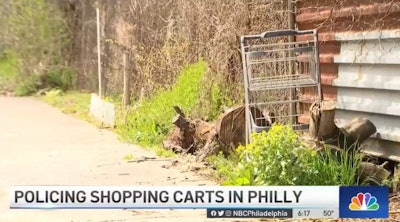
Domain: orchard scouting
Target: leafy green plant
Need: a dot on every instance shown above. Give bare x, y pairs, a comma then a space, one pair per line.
231, 171
279, 157
150, 122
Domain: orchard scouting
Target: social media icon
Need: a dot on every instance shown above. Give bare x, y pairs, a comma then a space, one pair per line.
228, 213
221, 213
213, 213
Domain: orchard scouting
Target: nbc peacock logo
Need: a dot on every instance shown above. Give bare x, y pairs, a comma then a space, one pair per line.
364, 202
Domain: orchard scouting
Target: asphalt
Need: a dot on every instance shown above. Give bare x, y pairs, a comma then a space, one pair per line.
39, 145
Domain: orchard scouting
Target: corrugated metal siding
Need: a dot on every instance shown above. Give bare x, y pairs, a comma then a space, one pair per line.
360, 67
369, 83
333, 16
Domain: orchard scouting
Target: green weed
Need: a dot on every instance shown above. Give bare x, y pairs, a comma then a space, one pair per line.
128, 157
231, 171
337, 167
72, 102
150, 122
279, 157
53, 97
160, 151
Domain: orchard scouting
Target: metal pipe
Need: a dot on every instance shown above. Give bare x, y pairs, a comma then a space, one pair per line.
292, 106
99, 54
245, 82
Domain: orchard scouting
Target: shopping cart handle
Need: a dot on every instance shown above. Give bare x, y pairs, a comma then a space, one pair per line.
271, 34
278, 33
284, 33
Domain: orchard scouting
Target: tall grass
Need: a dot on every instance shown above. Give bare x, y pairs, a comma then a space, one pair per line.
337, 168
151, 121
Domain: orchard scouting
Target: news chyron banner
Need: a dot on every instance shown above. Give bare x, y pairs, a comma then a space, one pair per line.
219, 201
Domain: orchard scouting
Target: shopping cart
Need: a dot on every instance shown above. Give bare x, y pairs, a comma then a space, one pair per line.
281, 78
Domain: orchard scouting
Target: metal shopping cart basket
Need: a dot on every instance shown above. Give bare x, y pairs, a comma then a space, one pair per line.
281, 78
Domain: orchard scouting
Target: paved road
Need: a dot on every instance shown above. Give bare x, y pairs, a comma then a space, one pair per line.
41, 146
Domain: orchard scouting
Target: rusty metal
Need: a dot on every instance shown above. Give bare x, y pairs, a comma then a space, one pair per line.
332, 17
359, 51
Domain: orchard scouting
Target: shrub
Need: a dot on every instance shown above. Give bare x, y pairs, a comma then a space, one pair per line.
60, 78
27, 86
279, 157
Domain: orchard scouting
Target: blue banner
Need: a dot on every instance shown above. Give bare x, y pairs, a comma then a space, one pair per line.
364, 202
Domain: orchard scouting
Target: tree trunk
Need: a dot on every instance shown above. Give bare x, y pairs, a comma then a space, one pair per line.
230, 132
188, 134
322, 122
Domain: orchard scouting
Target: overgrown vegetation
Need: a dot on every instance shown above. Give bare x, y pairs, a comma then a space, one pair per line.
8, 72
161, 37
36, 40
212, 96
150, 122
279, 157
